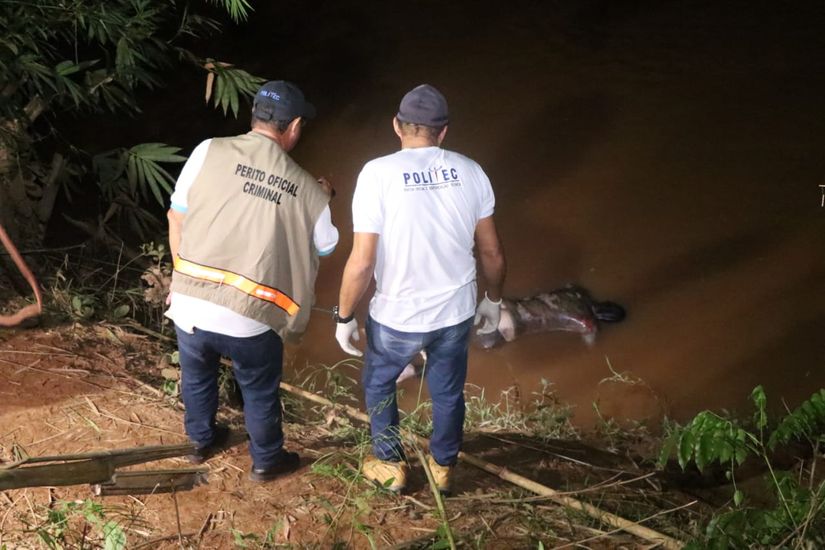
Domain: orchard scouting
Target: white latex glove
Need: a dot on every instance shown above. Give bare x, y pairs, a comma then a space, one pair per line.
490, 312
344, 332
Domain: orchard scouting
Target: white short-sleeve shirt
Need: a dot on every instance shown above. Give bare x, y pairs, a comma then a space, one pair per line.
188, 312
425, 204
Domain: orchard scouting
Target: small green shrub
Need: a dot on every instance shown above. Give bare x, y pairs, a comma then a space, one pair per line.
797, 520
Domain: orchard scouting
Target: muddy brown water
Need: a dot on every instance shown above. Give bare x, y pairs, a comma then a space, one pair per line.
665, 155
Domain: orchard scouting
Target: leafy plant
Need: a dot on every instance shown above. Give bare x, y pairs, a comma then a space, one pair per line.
806, 422
225, 84
83, 306
127, 177
797, 518
71, 524
72, 58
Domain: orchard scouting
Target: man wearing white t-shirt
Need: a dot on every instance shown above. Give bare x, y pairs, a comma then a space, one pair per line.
417, 214
246, 227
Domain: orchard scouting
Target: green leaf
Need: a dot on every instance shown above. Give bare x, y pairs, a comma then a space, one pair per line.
12, 47
706, 450
65, 68
121, 311
668, 446
725, 451
740, 452
806, 421
686, 444
113, 536
238, 10
132, 174
738, 497
158, 152
760, 400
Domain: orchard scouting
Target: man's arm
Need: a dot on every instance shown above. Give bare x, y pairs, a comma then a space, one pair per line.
175, 226
357, 272
490, 257
354, 283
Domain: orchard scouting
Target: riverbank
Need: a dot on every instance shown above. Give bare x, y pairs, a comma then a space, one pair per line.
74, 388
99, 374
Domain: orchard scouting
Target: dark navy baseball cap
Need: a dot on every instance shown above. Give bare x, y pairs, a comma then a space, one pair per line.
424, 105
281, 100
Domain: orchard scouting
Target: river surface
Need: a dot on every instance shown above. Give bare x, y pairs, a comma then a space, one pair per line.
665, 155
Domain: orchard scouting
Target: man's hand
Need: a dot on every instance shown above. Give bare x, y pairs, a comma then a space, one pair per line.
326, 186
490, 312
344, 332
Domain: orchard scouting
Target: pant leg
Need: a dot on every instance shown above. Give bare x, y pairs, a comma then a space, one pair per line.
199, 364
446, 373
388, 352
258, 366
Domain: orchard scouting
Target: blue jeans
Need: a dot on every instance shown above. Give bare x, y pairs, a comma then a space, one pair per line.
388, 352
257, 363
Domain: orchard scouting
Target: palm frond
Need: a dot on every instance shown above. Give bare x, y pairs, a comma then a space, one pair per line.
230, 84
238, 10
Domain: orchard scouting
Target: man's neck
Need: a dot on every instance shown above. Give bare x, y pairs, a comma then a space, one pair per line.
415, 142
274, 136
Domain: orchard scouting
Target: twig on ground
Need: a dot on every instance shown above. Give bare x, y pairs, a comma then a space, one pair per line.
114, 417
13, 504
418, 502
552, 453
230, 465
618, 529
154, 541
177, 515
92, 405
44, 353
39, 441
204, 527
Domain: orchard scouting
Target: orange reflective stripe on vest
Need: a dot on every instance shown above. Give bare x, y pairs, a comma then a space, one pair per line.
240, 282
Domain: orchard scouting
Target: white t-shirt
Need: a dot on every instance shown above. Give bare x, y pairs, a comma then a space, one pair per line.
188, 312
425, 204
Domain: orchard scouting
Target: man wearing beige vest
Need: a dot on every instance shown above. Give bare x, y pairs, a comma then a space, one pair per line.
246, 228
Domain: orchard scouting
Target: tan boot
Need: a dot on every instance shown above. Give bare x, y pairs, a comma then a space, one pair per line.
389, 475
442, 475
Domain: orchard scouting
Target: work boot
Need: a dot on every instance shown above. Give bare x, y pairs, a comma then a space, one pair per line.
286, 462
441, 475
386, 474
219, 440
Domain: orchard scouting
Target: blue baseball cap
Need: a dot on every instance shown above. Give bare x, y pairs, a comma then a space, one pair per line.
281, 100
424, 105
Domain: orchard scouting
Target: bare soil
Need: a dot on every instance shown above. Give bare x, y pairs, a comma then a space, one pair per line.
82, 388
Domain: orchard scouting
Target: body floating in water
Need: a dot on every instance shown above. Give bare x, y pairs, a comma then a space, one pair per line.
568, 309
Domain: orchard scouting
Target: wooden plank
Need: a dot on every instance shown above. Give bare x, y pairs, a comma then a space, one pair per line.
151, 482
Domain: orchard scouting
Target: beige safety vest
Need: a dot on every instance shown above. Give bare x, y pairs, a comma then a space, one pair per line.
247, 237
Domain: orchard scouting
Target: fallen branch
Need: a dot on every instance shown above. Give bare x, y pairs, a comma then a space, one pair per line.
77, 469
614, 531
503, 473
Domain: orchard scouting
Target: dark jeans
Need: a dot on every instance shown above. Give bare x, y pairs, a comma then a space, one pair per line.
388, 352
257, 362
